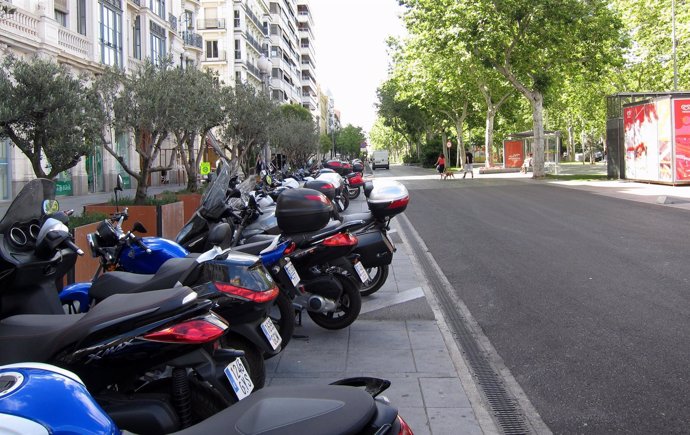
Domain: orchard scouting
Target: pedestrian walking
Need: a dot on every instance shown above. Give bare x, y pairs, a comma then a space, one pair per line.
441, 164
467, 167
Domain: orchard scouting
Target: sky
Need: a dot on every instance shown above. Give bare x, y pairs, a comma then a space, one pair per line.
351, 58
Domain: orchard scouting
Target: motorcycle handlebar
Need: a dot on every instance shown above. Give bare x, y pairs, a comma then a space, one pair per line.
73, 246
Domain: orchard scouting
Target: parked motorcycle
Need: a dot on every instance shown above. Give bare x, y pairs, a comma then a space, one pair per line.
150, 353
40, 398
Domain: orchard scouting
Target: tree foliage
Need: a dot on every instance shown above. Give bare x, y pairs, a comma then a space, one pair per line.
349, 140
47, 113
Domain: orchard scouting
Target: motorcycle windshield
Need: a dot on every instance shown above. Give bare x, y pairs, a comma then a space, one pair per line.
213, 203
28, 205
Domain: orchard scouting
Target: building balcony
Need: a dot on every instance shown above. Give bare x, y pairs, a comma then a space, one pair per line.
136, 3
213, 24
221, 57
194, 40
21, 25
74, 43
172, 19
254, 19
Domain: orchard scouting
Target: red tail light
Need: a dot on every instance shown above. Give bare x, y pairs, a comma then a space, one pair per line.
328, 186
342, 239
194, 331
290, 249
399, 203
320, 198
247, 294
405, 428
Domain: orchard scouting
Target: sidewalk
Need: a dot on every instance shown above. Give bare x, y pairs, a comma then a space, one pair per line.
396, 337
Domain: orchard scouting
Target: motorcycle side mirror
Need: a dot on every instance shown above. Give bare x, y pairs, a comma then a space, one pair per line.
234, 193
50, 206
118, 188
138, 227
219, 233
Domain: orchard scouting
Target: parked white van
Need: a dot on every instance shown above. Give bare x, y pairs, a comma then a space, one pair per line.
380, 160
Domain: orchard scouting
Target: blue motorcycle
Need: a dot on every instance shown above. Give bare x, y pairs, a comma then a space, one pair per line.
44, 399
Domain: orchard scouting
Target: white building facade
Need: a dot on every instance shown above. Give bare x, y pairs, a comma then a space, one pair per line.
86, 35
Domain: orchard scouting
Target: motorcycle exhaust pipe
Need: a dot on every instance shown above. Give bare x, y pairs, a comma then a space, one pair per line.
320, 304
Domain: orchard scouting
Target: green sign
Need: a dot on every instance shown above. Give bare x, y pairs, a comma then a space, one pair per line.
126, 180
205, 168
63, 184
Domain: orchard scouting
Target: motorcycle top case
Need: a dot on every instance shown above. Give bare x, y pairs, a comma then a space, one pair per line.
302, 210
386, 198
323, 186
342, 168
358, 167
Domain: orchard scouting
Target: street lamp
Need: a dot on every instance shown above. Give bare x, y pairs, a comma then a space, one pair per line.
265, 67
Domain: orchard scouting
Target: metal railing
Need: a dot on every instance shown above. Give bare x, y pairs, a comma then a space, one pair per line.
193, 39
172, 19
218, 23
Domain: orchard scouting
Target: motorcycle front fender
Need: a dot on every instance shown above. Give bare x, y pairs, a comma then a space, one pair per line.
79, 293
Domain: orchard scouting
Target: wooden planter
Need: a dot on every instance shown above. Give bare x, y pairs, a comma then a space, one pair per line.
160, 220
86, 265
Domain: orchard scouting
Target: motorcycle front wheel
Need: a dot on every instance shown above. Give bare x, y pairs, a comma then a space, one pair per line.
349, 305
377, 278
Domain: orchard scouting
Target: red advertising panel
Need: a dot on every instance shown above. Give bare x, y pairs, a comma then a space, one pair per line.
513, 153
681, 108
663, 111
640, 124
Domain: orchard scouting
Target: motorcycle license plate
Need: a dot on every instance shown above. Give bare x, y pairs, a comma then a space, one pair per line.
363, 275
292, 273
239, 379
271, 333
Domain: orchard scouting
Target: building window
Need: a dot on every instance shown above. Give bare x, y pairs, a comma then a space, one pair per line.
81, 16
211, 49
238, 51
111, 35
61, 18
189, 19
157, 49
136, 49
237, 18
158, 6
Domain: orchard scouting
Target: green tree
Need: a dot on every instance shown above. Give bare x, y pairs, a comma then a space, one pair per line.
199, 109
349, 140
296, 111
251, 116
534, 44
138, 103
296, 137
382, 137
47, 113
402, 115
325, 143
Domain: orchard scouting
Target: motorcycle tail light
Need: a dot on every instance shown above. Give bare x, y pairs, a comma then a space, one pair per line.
195, 331
398, 203
290, 249
246, 294
342, 239
405, 428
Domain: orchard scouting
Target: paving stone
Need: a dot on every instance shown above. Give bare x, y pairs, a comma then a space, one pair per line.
380, 339
452, 421
311, 362
434, 361
443, 393
416, 418
390, 361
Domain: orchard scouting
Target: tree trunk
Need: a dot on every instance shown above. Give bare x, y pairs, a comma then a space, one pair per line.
460, 154
537, 102
571, 144
489, 135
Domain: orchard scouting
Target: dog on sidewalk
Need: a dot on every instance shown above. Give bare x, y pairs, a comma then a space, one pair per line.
448, 173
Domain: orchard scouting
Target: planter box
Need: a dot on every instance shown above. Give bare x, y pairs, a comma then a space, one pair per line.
86, 265
191, 202
159, 220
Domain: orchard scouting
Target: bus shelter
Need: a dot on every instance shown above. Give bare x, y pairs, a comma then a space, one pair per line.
517, 146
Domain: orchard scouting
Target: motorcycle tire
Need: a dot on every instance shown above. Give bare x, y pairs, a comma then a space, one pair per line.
205, 401
349, 305
342, 203
283, 315
353, 192
376, 281
253, 357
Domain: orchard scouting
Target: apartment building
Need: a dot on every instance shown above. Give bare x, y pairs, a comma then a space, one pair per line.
86, 35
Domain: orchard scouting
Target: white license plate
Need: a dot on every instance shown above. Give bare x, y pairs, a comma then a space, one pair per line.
239, 379
271, 333
363, 275
292, 273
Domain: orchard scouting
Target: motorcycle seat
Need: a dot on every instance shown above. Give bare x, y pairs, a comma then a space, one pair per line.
309, 409
38, 337
255, 247
304, 239
167, 276
363, 216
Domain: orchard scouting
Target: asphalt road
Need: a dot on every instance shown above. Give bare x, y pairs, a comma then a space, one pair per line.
586, 298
